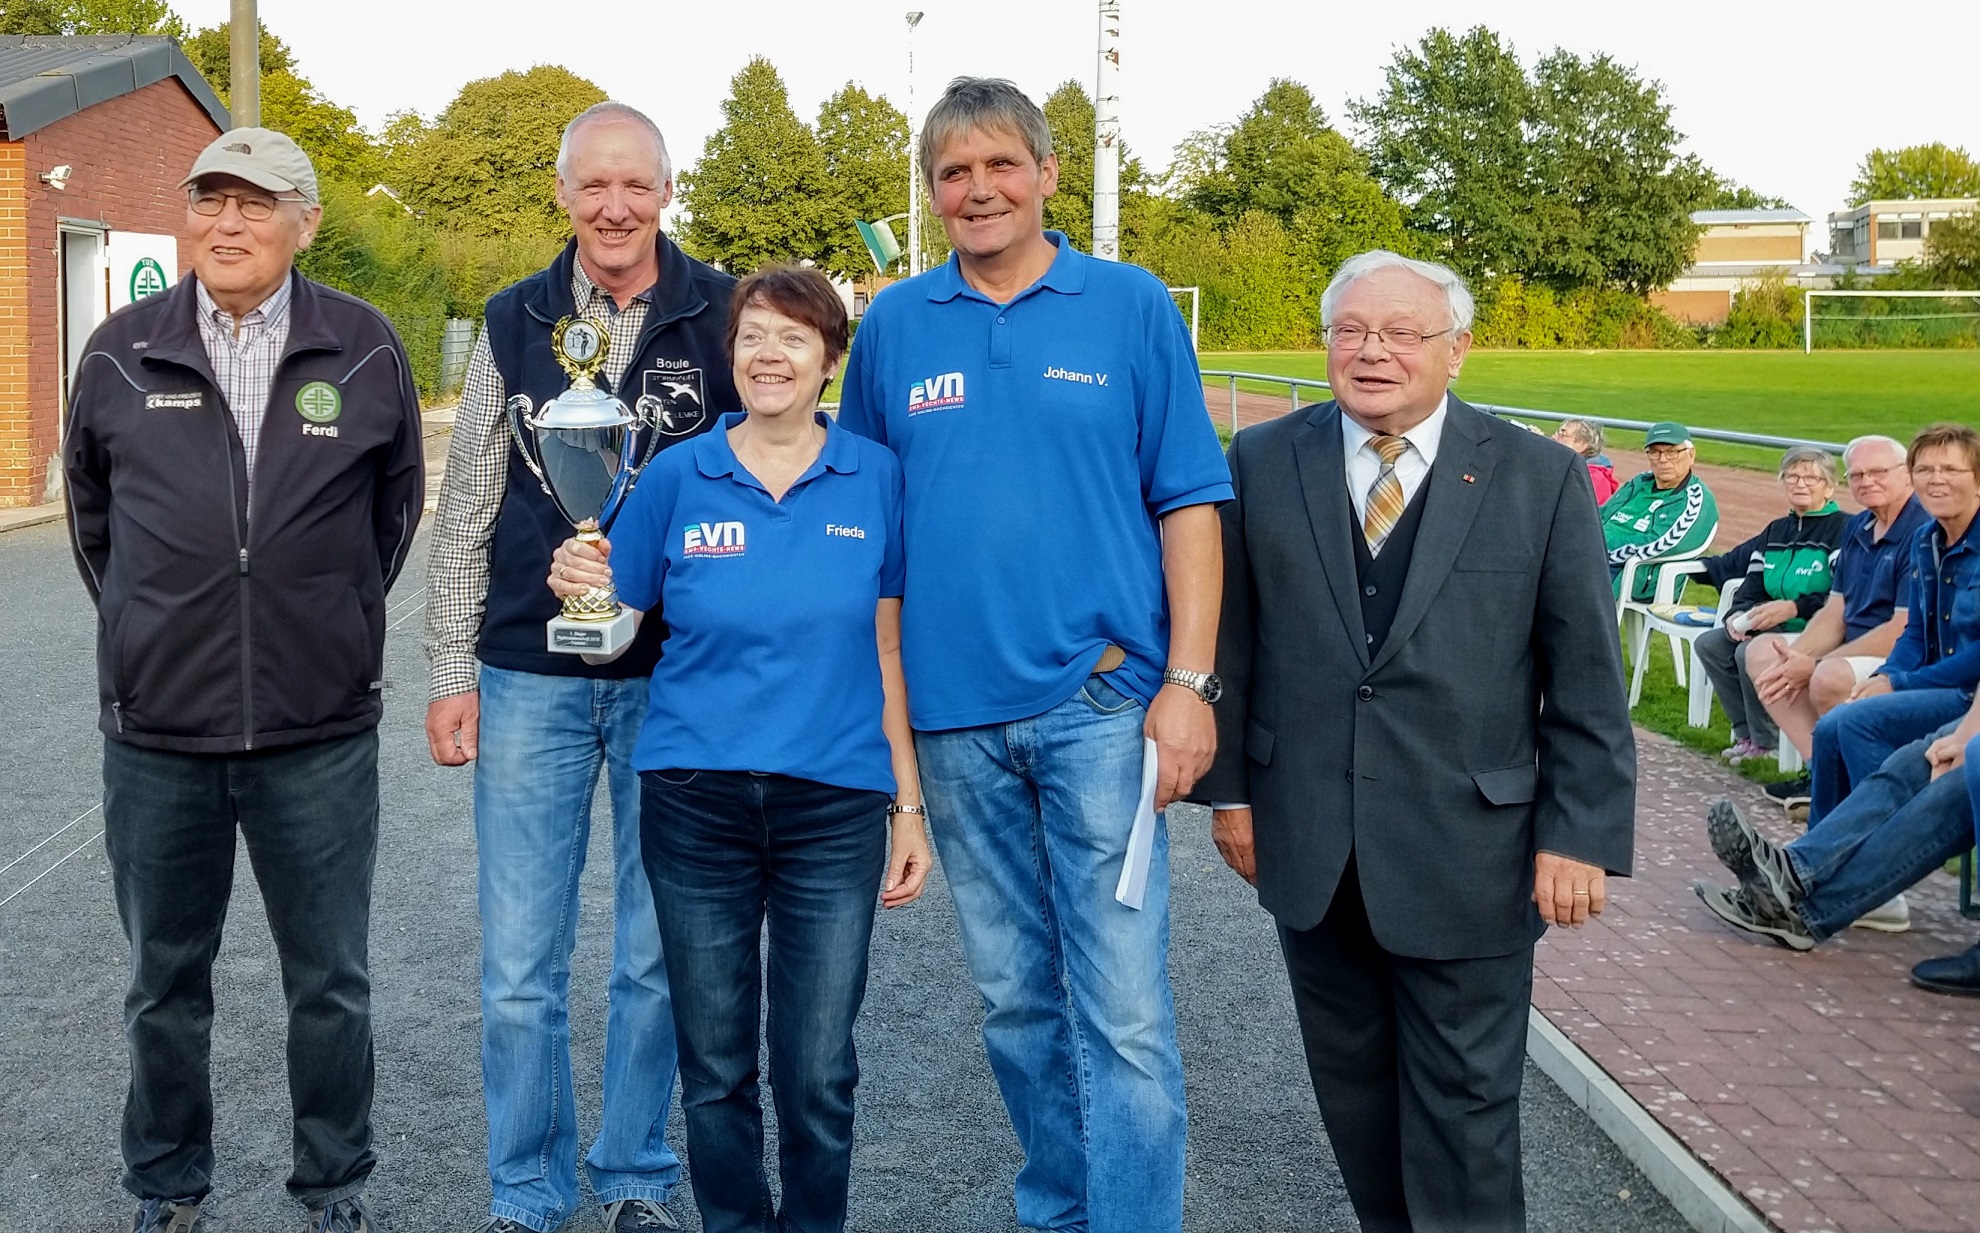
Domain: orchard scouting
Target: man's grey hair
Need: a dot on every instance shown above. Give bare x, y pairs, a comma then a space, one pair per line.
1892, 444
987, 103
623, 113
1589, 434
1361, 265
1799, 454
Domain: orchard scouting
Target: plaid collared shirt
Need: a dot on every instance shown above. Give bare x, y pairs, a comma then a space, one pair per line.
477, 475
245, 363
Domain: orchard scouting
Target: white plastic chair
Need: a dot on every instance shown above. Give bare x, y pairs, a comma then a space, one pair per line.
1684, 652
1632, 615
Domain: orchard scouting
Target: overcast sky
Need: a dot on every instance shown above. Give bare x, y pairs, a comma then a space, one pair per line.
1784, 97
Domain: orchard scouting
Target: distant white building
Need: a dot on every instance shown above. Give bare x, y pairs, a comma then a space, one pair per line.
1883, 233
1737, 247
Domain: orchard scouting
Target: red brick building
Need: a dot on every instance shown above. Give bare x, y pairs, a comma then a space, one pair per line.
97, 132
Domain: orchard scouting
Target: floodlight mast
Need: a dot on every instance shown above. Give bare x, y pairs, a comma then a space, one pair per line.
914, 157
1107, 137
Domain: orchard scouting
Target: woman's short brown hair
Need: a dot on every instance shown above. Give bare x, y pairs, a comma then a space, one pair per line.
800, 293
1946, 436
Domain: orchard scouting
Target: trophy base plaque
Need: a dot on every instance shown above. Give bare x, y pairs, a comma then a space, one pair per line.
576, 636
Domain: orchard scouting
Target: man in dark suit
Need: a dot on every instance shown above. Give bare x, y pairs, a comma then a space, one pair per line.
1424, 752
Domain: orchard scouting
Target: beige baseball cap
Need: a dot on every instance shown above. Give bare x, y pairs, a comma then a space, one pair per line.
261, 156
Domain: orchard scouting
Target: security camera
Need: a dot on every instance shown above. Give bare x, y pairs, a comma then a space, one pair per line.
58, 177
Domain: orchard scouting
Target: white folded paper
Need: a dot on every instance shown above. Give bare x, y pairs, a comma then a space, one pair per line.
1141, 839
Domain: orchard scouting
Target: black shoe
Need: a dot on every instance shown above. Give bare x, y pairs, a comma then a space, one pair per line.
1958, 974
168, 1216
1790, 791
343, 1216
1762, 869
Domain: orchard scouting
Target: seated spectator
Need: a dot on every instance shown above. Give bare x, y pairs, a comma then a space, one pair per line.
1585, 439
1908, 818
1786, 581
1801, 681
1929, 678
1666, 511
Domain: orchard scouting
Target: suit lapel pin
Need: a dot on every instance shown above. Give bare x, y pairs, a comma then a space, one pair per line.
1470, 479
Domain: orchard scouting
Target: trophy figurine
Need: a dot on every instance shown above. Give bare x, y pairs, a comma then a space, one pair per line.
583, 447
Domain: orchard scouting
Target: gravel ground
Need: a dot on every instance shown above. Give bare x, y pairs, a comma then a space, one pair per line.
935, 1151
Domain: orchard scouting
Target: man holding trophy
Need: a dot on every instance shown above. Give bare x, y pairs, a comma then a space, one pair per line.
622, 309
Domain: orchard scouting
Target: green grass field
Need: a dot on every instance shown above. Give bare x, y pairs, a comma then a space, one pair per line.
1827, 396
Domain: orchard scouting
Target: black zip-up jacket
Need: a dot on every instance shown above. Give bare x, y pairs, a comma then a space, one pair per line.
223, 627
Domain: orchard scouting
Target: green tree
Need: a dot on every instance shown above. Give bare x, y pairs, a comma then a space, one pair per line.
1612, 197
1447, 136
488, 164
863, 138
91, 17
1934, 170
328, 133
761, 192
1952, 251
1730, 195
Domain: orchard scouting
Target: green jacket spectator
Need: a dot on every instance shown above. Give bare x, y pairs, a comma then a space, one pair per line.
1795, 560
1666, 511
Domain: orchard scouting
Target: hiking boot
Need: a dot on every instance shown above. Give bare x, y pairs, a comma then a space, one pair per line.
1893, 917
168, 1216
633, 1215
1735, 907
1791, 792
343, 1216
1762, 869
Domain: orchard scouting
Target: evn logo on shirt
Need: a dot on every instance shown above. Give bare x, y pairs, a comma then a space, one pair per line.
936, 393
713, 539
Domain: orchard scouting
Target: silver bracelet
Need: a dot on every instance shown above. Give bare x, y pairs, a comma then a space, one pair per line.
922, 810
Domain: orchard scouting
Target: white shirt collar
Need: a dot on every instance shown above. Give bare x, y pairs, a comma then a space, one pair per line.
1423, 437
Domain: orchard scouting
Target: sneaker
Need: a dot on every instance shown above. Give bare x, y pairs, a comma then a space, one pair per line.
343, 1216
168, 1216
1736, 751
501, 1224
632, 1215
1736, 908
1791, 792
1762, 869
1893, 917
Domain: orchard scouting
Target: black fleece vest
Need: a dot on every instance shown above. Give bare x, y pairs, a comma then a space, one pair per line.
681, 360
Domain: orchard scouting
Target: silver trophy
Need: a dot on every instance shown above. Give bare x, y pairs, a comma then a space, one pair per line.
583, 446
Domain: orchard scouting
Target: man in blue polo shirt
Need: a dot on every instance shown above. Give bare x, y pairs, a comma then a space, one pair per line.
1064, 580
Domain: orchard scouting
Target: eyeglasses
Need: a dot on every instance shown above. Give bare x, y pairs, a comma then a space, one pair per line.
254, 207
1397, 340
1873, 473
1932, 473
1804, 481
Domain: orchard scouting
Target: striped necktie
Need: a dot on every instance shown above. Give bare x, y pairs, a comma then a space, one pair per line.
1385, 495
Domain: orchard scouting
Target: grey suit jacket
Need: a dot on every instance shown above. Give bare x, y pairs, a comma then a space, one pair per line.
1491, 723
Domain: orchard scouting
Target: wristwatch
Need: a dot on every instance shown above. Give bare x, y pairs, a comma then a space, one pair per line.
1205, 685
896, 807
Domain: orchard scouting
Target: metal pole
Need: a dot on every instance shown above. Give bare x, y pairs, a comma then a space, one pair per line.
1234, 425
1195, 316
244, 64
1808, 323
914, 158
1107, 137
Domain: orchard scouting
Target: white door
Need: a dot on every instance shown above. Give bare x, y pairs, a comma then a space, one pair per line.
85, 297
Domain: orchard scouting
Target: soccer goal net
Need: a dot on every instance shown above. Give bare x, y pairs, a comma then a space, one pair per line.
1891, 319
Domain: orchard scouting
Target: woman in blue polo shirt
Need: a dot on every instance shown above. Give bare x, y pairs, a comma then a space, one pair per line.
776, 748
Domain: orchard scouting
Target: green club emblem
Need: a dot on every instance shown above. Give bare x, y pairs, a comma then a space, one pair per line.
147, 278
319, 402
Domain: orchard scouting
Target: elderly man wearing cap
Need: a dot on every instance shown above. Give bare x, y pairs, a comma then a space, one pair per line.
1664, 512
244, 478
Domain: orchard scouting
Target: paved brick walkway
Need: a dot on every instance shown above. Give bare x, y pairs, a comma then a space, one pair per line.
1821, 1086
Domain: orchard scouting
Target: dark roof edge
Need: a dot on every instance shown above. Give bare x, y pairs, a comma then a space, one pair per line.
103, 68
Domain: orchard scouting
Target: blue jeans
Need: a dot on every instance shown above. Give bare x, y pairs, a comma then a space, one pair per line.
1031, 819
308, 815
728, 852
1897, 826
544, 740
1853, 740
